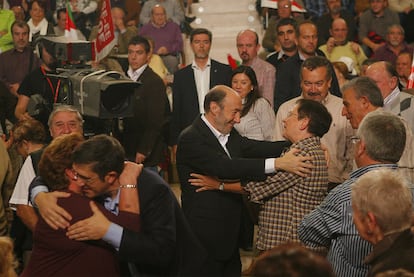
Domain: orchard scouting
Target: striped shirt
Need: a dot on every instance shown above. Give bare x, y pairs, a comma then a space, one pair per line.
331, 226
287, 197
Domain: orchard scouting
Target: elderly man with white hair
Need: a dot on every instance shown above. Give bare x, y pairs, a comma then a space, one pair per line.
386, 226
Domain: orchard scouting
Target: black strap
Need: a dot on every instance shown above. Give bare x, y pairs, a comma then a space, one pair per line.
30, 60
36, 155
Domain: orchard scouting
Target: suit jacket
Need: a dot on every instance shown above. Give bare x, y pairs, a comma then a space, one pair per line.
215, 215
272, 58
288, 80
166, 245
145, 131
185, 98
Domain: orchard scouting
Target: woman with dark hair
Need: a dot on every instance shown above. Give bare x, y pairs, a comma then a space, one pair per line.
257, 117
257, 121
39, 26
54, 254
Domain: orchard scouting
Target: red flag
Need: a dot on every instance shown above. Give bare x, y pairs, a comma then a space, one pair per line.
105, 40
70, 27
411, 77
232, 62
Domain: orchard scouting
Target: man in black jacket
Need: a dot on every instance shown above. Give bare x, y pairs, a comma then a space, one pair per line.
288, 73
211, 146
165, 245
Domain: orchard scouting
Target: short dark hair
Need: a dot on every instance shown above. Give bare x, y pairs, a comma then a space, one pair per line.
41, 3
312, 63
59, 11
199, 31
286, 21
409, 54
217, 95
20, 24
365, 87
291, 260
103, 152
319, 117
140, 40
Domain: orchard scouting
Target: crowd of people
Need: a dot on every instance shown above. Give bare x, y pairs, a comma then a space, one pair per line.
309, 138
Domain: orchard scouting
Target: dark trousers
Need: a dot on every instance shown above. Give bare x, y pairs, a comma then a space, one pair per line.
228, 268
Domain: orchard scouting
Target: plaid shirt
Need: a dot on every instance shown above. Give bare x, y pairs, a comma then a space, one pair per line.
287, 197
315, 8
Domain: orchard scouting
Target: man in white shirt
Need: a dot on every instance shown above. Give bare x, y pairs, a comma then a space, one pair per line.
192, 82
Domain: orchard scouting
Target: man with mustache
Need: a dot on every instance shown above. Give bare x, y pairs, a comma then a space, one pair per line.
316, 79
287, 75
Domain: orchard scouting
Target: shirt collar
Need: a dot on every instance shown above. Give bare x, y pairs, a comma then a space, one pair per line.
158, 27
195, 66
216, 133
134, 75
392, 96
111, 204
302, 58
280, 54
362, 170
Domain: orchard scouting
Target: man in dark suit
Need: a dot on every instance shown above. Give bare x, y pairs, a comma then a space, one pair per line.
288, 73
143, 135
165, 245
286, 37
193, 82
211, 146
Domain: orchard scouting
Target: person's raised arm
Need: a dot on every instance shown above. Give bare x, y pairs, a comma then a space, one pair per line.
98, 226
128, 197
46, 202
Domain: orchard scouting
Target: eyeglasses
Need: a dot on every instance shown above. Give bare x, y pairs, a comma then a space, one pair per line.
86, 180
355, 139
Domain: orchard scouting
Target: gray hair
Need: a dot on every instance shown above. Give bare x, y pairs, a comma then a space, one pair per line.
396, 26
384, 136
64, 108
386, 194
365, 87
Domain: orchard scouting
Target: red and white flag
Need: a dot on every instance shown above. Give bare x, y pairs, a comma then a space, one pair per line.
105, 40
296, 7
411, 77
70, 27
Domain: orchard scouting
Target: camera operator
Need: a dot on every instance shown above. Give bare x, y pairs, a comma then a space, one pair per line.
38, 91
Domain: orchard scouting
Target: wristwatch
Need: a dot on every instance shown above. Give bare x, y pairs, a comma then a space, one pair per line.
221, 186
